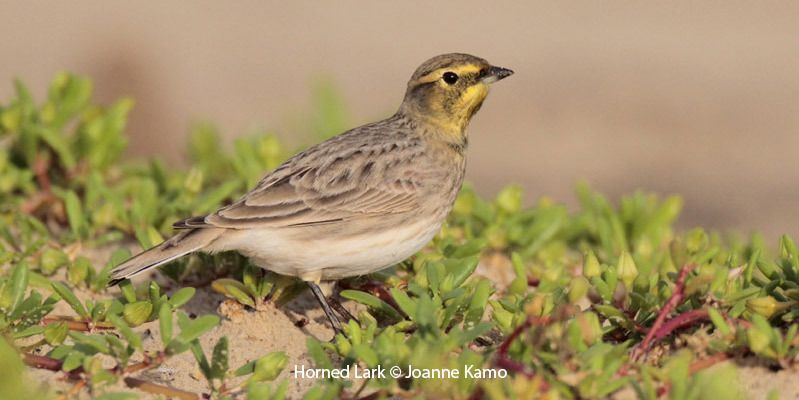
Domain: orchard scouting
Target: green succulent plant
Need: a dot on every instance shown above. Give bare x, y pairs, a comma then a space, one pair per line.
593, 302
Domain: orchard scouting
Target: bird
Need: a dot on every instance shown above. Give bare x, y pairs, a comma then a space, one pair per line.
357, 203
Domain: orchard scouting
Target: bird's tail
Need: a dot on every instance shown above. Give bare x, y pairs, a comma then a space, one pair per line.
183, 243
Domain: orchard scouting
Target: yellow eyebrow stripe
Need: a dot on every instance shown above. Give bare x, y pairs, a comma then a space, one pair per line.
465, 69
458, 69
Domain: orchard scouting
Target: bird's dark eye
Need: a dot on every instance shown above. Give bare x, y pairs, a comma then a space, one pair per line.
450, 78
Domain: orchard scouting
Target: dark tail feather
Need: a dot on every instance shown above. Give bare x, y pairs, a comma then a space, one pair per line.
175, 247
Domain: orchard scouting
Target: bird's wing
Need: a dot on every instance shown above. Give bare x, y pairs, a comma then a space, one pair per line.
326, 184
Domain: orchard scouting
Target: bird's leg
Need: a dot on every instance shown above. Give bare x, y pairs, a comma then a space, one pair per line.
325, 306
341, 310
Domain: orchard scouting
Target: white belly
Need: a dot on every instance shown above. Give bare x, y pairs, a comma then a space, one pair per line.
328, 258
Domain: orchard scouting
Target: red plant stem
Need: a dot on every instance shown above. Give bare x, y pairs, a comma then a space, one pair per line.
514, 366
76, 389
680, 321
73, 391
503, 348
147, 363
504, 361
166, 391
42, 362
77, 325
35, 201
478, 394
744, 323
40, 167
675, 300
50, 364
708, 362
688, 318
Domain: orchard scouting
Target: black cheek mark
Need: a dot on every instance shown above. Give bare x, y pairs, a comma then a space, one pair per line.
475, 109
458, 147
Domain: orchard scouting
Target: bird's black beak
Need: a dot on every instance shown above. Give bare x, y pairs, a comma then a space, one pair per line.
497, 73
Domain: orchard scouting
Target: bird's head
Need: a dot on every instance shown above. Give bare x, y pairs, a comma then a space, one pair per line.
447, 90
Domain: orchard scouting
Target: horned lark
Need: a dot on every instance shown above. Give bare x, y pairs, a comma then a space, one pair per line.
358, 202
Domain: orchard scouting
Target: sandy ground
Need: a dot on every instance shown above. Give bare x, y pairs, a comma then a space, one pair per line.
759, 382
255, 333
251, 334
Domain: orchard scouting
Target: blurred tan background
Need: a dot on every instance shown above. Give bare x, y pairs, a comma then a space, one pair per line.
695, 98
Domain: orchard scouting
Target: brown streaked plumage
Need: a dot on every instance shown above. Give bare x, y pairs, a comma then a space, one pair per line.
358, 202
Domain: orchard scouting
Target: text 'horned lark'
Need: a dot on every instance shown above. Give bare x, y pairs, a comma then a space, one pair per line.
357, 203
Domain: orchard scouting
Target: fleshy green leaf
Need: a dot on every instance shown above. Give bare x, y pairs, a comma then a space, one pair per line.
70, 298
371, 301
